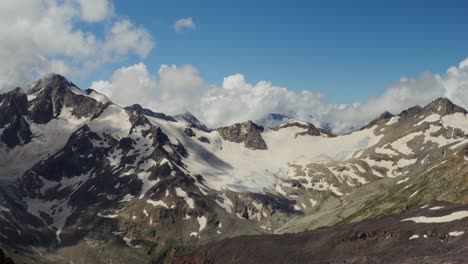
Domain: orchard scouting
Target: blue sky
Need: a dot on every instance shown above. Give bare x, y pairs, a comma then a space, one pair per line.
354, 53
349, 50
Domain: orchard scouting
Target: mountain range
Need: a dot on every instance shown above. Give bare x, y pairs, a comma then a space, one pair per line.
83, 180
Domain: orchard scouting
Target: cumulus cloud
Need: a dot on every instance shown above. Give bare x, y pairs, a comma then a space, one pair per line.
95, 10
172, 89
42, 36
406, 93
184, 23
178, 89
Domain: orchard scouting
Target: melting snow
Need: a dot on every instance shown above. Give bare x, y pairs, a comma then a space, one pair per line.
183, 194
147, 183
202, 223
456, 233
439, 219
414, 194
456, 120
393, 120
157, 203
225, 202
402, 181
436, 208
107, 216
430, 119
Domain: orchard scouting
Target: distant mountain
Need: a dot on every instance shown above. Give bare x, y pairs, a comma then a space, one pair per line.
145, 111
274, 119
192, 120
82, 179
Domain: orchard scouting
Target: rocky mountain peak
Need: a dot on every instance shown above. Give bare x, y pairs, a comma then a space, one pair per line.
311, 129
192, 120
145, 111
443, 106
411, 112
247, 132
382, 118
49, 95
54, 83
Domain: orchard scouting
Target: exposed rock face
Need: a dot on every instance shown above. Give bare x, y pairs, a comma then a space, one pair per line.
444, 106
193, 121
247, 132
4, 259
50, 95
39, 104
311, 129
383, 118
148, 112
189, 132
14, 129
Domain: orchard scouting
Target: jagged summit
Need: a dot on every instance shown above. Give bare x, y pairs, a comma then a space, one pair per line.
312, 130
149, 112
247, 132
443, 106
51, 81
192, 120
439, 107
384, 117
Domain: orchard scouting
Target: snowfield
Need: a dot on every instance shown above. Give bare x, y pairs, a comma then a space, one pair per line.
225, 164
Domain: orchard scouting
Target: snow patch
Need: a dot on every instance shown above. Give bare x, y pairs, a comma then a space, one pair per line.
183, 194
438, 219
157, 203
201, 222
456, 233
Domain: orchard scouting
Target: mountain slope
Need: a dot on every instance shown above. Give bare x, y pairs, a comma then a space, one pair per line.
389, 239
82, 178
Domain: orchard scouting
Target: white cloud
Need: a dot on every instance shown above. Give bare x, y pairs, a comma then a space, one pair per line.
40, 36
177, 89
95, 10
407, 93
184, 23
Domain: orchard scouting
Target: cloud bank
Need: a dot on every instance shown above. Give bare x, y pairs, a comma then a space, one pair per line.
43, 36
178, 89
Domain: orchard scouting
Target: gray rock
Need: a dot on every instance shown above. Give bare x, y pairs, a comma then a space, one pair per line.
247, 133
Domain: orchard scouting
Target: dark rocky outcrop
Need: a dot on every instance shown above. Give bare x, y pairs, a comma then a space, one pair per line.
247, 133
145, 111
443, 106
192, 121
383, 118
311, 129
4, 259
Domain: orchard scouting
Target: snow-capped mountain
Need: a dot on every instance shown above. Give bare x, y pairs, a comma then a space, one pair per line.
81, 175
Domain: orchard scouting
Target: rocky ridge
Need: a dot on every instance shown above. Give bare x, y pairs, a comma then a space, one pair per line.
81, 174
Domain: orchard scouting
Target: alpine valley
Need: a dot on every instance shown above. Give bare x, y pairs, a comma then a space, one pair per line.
83, 180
